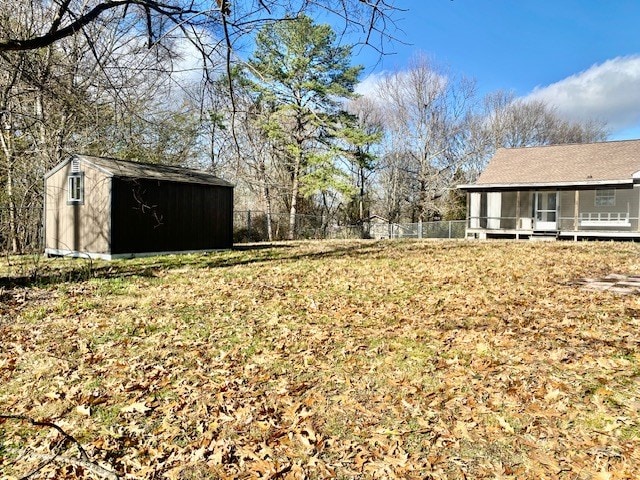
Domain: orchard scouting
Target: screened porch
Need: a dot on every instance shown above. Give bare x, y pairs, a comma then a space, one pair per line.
563, 212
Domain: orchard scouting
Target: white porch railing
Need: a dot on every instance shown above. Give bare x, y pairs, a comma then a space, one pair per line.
602, 219
585, 220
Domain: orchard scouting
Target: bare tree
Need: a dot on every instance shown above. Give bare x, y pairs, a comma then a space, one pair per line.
211, 26
426, 117
73, 95
91, 76
513, 122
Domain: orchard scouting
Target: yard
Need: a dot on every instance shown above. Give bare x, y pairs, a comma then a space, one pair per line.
323, 360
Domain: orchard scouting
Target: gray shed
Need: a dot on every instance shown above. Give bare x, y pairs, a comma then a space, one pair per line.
107, 208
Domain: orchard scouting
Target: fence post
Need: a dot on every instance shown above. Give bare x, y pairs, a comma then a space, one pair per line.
249, 223
419, 228
449, 229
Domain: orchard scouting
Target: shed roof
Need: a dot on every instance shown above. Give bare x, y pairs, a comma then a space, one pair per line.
574, 164
130, 169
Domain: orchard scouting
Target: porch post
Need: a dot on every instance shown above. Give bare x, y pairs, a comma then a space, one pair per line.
517, 215
576, 210
468, 217
518, 210
638, 212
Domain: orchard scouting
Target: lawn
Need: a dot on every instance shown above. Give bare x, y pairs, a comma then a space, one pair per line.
323, 360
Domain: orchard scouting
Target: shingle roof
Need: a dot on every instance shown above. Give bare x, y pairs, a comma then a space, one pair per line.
562, 164
129, 169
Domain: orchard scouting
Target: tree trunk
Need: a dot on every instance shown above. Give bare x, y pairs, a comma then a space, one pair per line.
13, 212
14, 241
362, 192
295, 187
266, 192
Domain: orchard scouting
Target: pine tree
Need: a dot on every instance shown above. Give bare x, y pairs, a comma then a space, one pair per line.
302, 72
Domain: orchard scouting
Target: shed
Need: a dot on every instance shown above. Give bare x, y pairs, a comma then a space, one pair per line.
577, 191
107, 208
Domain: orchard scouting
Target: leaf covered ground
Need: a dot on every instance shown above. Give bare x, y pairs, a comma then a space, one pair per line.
326, 360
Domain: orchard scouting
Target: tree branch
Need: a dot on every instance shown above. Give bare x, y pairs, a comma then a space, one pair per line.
54, 34
83, 461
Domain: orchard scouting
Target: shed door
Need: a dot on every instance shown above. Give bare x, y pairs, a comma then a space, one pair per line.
546, 210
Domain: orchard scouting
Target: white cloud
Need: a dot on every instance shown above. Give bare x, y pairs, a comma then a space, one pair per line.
369, 85
403, 82
607, 92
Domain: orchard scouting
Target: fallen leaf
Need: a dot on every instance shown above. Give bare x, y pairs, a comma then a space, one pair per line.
84, 410
137, 407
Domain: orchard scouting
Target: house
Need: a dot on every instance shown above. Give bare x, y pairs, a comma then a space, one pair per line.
575, 191
107, 208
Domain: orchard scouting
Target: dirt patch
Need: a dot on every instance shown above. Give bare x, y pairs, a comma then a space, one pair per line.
614, 283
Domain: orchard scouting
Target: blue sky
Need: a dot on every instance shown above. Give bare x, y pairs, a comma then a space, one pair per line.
583, 56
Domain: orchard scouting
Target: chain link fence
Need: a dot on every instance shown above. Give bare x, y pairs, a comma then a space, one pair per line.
252, 226
440, 229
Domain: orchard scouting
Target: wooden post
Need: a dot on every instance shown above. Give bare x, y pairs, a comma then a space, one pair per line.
468, 222
576, 210
638, 215
518, 210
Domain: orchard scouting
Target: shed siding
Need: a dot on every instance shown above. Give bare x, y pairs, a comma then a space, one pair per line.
79, 227
157, 216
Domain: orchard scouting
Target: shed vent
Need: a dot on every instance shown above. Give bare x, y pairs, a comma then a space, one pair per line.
75, 166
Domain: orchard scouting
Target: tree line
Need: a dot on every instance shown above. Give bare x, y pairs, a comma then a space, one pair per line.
282, 122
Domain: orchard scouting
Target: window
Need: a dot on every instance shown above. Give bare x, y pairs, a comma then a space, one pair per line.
76, 189
606, 198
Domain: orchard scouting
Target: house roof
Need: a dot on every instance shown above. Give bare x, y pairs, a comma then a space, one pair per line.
605, 163
130, 169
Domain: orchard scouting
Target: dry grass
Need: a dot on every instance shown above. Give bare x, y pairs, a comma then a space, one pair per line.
328, 360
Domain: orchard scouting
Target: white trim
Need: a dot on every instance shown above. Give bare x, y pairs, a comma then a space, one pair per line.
604, 223
82, 160
590, 183
56, 168
75, 185
97, 167
546, 224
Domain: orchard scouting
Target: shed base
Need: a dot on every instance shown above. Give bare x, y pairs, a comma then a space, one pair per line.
54, 252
